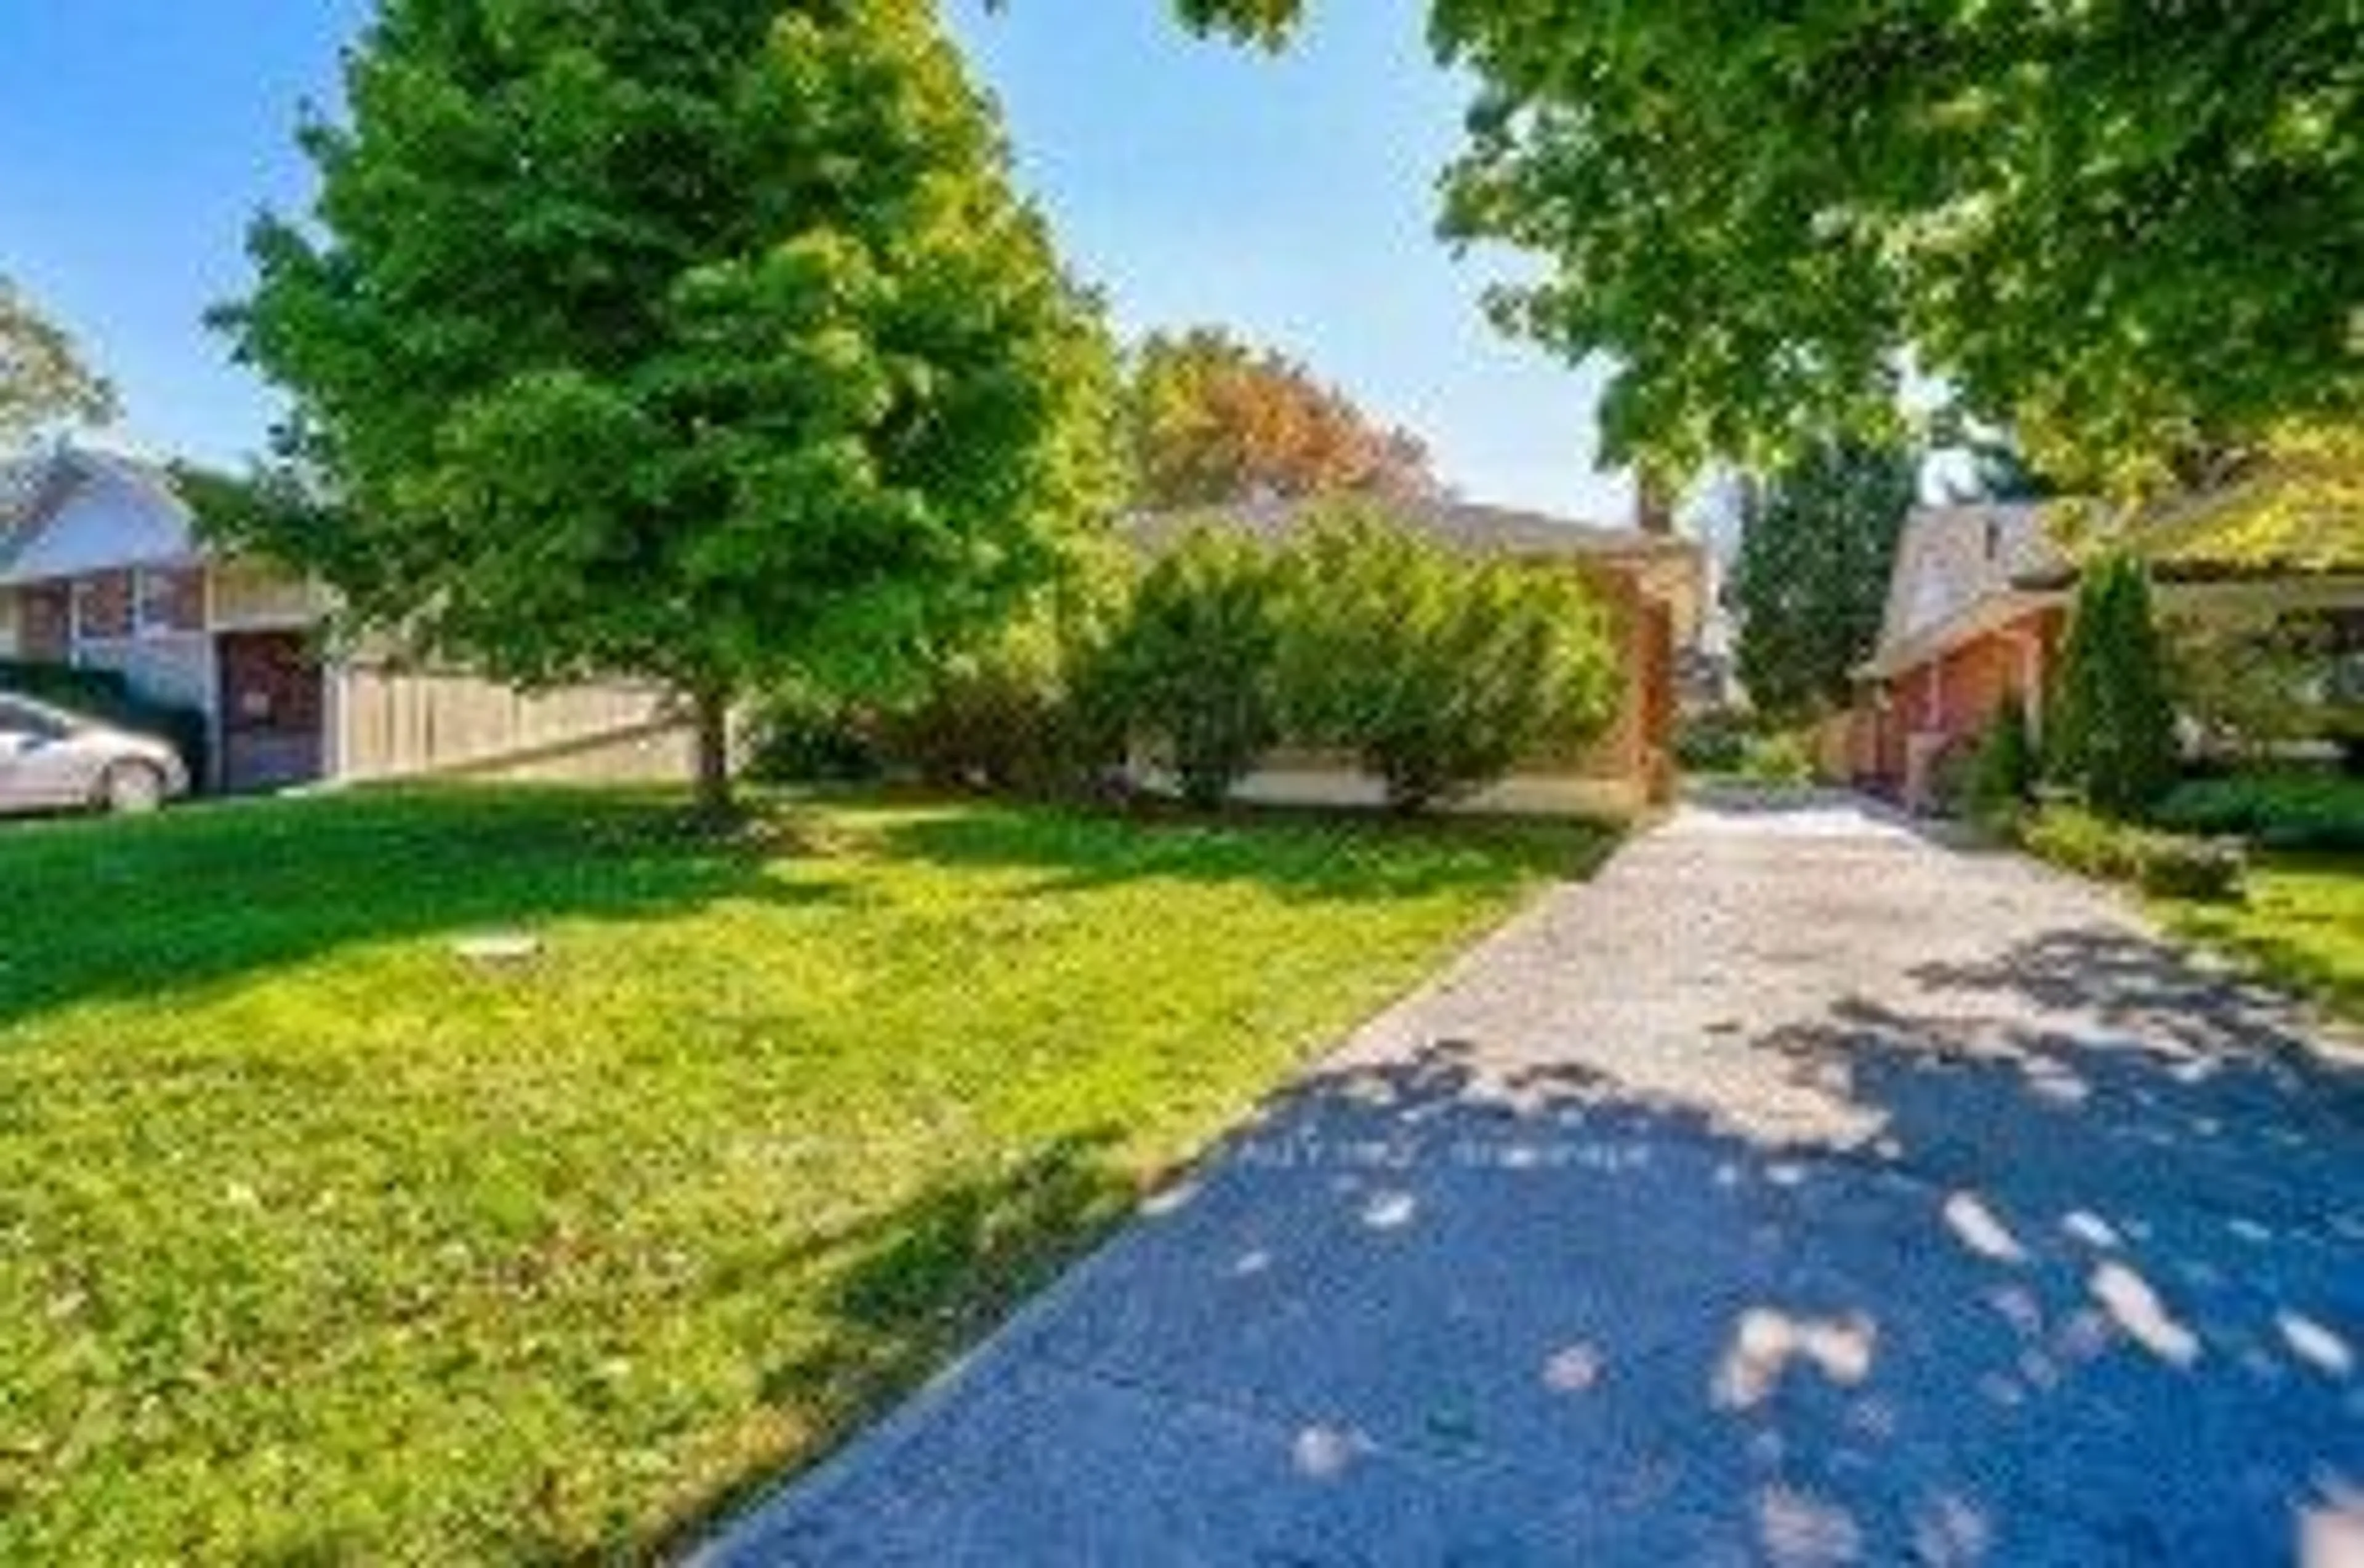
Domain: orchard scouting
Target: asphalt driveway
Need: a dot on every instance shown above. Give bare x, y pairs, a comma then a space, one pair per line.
1798, 1192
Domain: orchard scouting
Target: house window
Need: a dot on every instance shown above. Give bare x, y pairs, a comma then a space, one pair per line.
169, 601
102, 607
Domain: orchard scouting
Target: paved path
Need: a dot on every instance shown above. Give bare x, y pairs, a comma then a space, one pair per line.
1798, 1192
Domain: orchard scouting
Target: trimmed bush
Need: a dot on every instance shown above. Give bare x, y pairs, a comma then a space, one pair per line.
1438, 671
2114, 725
2078, 840
2176, 867
1191, 673
105, 696
2165, 865
2277, 811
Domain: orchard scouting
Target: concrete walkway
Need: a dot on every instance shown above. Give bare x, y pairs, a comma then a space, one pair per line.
1798, 1192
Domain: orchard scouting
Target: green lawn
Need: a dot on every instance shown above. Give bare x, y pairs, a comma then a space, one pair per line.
2301, 925
317, 1242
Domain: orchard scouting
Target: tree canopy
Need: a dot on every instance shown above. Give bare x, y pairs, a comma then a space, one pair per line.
1816, 553
1213, 420
43, 380
700, 342
2131, 233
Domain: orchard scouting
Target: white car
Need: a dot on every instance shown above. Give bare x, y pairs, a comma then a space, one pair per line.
54, 761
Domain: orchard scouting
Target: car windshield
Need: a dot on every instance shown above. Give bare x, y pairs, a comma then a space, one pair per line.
19, 717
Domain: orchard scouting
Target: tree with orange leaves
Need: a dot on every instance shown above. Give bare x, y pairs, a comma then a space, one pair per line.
1213, 420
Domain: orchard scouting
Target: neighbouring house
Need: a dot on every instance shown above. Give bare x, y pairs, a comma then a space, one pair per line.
103, 566
1978, 615
1653, 583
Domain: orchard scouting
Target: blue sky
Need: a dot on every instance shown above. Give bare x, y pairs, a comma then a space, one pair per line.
1290, 197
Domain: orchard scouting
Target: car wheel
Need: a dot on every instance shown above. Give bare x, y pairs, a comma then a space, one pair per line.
130, 789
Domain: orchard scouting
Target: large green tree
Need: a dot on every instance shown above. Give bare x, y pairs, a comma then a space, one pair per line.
697, 340
43, 379
1212, 421
2130, 233
1817, 549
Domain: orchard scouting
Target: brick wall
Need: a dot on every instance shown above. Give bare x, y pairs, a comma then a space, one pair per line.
1959, 695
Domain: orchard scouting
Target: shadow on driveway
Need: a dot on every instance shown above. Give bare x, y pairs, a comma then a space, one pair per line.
2075, 1274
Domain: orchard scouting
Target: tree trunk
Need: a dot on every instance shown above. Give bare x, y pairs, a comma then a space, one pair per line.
715, 800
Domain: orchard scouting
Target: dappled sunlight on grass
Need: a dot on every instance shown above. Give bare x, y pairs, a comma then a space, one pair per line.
2301, 925
320, 1240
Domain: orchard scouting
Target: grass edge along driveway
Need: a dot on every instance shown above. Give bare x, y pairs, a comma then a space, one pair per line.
318, 1242
2301, 926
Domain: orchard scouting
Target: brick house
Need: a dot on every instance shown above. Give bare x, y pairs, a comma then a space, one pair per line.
1978, 614
1653, 582
102, 566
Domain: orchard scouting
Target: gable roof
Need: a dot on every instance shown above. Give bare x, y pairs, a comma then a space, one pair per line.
1958, 567
26, 491
71, 511
1463, 525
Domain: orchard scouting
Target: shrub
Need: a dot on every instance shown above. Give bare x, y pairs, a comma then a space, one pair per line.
1950, 773
801, 736
2279, 811
105, 695
2166, 864
995, 718
1784, 757
1712, 743
1190, 672
2080, 841
1026, 709
2001, 770
2176, 867
2114, 725
1437, 671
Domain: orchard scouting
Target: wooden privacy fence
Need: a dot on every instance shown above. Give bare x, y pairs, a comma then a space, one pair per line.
394, 722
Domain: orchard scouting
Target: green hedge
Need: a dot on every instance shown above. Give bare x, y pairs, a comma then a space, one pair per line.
104, 695
1437, 672
2168, 865
2277, 811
